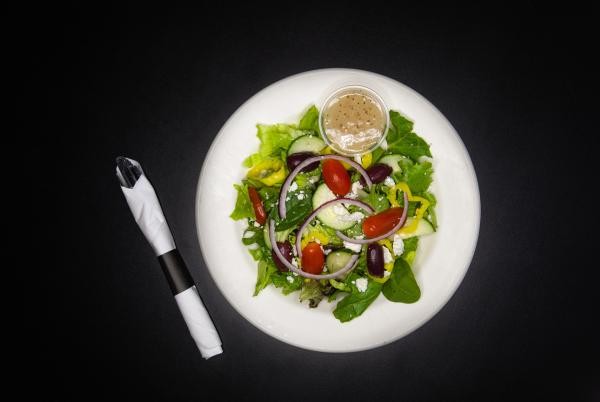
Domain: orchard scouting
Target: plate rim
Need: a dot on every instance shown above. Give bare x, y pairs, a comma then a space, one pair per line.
476, 199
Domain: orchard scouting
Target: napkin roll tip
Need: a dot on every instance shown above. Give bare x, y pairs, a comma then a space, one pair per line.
208, 353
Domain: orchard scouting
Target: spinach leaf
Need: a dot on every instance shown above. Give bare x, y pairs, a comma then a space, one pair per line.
264, 272
402, 140
280, 280
402, 286
243, 206
357, 302
297, 209
269, 196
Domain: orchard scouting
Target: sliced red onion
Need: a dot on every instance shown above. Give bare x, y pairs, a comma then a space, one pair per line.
330, 203
383, 236
349, 266
286, 185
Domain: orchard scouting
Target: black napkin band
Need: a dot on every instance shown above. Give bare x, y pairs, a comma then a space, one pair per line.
175, 270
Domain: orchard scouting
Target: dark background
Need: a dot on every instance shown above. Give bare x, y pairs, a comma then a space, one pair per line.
157, 86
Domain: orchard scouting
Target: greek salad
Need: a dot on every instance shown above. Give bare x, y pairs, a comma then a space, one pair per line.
337, 228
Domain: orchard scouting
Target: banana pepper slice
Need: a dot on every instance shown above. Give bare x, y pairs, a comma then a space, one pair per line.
419, 213
269, 172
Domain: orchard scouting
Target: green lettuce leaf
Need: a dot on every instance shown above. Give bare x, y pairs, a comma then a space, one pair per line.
274, 139
243, 206
264, 272
311, 291
376, 198
310, 120
430, 214
419, 177
280, 280
410, 245
403, 141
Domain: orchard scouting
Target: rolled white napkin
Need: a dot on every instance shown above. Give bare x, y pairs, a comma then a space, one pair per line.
148, 214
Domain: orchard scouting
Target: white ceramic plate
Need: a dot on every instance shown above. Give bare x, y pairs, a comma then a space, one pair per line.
442, 258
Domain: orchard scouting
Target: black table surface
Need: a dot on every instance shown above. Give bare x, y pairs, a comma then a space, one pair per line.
158, 88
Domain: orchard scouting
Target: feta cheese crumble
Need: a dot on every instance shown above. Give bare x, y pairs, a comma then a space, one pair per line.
361, 284
353, 194
353, 246
387, 256
398, 245
290, 278
386, 273
353, 217
339, 210
389, 182
294, 186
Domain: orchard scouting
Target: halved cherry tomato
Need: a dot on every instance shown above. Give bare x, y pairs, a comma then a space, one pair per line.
313, 258
336, 177
257, 204
381, 223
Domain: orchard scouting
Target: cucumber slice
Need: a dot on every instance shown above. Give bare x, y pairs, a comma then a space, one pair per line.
423, 228
337, 260
280, 236
306, 143
392, 161
328, 216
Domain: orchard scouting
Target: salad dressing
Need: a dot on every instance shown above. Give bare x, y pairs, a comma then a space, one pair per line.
354, 122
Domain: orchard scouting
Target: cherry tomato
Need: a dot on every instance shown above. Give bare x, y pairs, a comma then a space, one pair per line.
382, 223
336, 177
313, 258
257, 204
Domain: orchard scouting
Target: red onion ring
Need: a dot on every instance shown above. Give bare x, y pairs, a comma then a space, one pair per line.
350, 201
286, 185
349, 266
383, 236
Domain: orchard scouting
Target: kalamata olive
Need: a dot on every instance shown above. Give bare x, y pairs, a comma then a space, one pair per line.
294, 160
375, 260
286, 250
377, 173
